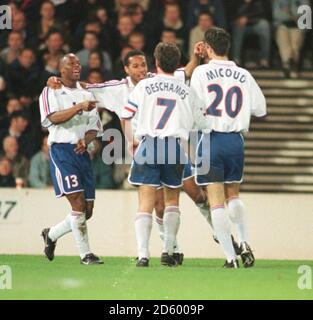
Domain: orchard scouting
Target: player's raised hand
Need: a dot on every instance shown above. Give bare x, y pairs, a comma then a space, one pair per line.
81, 146
199, 50
87, 105
54, 83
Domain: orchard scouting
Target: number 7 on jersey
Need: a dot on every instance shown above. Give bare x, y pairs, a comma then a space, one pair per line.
169, 105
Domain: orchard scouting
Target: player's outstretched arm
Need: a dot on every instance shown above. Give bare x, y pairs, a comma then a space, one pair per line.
56, 83
198, 54
65, 115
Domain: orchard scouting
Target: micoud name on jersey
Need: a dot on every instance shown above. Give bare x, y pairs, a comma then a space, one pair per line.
229, 73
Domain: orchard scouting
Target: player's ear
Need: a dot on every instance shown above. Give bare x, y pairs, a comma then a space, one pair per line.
126, 69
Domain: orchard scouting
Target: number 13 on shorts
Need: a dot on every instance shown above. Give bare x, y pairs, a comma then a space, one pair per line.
71, 181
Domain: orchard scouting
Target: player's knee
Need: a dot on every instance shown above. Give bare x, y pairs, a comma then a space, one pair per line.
159, 209
89, 210
79, 204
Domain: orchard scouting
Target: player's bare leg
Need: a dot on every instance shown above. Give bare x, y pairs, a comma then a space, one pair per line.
171, 221
199, 197
221, 222
89, 209
143, 223
159, 208
238, 217
75, 222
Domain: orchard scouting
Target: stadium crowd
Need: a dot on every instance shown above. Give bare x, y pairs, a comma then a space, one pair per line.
101, 33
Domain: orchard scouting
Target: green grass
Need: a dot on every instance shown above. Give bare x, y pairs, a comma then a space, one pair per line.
34, 277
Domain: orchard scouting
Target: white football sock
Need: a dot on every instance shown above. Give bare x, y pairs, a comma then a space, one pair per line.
171, 221
160, 225
238, 217
222, 227
205, 211
60, 229
143, 226
161, 234
79, 229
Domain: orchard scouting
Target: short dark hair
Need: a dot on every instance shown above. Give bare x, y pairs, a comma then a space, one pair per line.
168, 56
19, 114
219, 40
131, 54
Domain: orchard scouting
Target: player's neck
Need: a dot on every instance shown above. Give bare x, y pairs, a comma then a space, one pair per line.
222, 58
161, 72
69, 83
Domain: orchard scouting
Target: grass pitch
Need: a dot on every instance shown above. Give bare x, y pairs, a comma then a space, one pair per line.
34, 277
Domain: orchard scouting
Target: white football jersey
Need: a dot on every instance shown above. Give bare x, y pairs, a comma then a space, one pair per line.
229, 95
166, 107
112, 95
51, 101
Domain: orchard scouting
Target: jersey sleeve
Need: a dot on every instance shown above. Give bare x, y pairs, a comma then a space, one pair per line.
195, 83
258, 103
48, 104
180, 75
198, 108
131, 106
94, 123
200, 119
105, 93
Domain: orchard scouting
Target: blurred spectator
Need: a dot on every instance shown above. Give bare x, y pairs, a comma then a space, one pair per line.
125, 26
168, 36
51, 69
214, 7
172, 20
12, 105
98, 23
289, 37
19, 24
119, 71
20, 165
48, 21
121, 6
13, 50
95, 76
54, 47
250, 18
95, 61
205, 21
107, 30
17, 129
136, 12
6, 177
23, 75
137, 41
103, 173
90, 43
39, 174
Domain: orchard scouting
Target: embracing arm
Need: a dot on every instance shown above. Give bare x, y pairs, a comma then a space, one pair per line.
65, 115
